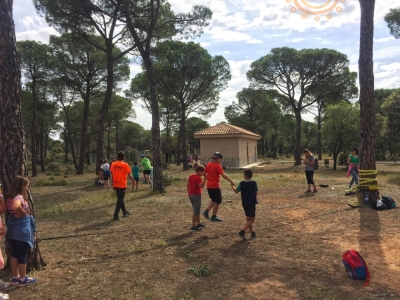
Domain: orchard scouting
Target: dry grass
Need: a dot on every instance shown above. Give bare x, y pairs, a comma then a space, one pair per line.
152, 255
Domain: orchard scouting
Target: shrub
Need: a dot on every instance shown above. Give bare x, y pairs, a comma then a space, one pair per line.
202, 270
43, 182
342, 158
57, 174
165, 165
53, 166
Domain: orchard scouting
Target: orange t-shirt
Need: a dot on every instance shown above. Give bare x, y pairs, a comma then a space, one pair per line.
213, 171
119, 170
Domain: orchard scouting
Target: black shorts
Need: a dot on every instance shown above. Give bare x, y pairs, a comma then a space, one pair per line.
136, 179
250, 210
215, 195
146, 172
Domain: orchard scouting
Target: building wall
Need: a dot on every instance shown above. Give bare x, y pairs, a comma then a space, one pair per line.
233, 150
248, 147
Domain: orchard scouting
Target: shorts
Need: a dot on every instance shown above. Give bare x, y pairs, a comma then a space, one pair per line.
250, 210
146, 172
195, 199
136, 179
19, 250
215, 195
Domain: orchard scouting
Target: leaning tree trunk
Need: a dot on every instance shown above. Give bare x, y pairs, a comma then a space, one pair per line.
366, 75
12, 140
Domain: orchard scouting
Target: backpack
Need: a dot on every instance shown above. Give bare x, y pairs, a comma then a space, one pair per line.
315, 163
389, 202
379, 205
356, 266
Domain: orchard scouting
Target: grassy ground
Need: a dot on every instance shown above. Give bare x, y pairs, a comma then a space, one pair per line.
153, 255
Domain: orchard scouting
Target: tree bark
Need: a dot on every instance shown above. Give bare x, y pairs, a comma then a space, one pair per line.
297, 147
106, 104
366, 77
182, 137
33, 129
81, 161
12, 140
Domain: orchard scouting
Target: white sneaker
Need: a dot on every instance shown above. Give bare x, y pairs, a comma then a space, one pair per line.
4, 296
4, 285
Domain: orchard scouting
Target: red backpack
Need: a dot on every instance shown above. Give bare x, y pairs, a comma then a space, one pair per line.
356, 266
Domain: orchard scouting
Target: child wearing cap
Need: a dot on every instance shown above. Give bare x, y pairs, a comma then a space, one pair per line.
213, 172
248, 189
194, 186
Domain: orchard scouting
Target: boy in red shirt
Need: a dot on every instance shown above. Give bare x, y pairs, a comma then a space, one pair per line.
214, 171
194, 186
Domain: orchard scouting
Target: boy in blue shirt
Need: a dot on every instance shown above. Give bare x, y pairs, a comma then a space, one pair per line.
135, 171
248, 189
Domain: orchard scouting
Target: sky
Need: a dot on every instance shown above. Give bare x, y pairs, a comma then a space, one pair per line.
242, 31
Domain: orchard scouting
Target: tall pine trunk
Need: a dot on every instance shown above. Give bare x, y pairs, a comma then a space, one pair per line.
105, 106
366, 77
82, 149
33, 129
12, 140
297, 147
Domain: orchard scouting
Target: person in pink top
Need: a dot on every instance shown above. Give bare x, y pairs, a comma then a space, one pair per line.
21, 228
194, 186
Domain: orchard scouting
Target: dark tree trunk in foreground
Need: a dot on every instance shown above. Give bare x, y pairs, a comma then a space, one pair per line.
297, 148
12, 141
366, 75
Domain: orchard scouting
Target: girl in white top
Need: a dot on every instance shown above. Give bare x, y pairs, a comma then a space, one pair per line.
106, 173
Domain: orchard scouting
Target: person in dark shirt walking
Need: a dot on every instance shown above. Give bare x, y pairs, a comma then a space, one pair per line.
248, 189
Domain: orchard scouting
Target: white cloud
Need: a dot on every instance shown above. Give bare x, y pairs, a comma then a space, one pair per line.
391, 67
383, 40
254, 41
296, 40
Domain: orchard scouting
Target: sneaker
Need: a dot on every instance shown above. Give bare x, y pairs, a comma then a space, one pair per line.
127, 213
116, 219
26, 281
205, 215
194, 229
314, 191
14, 281
308, 191
4, 296
201, 225
242, 235
216, 219
253, 235
4, 285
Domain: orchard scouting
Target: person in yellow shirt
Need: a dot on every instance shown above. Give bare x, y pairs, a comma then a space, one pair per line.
119, 171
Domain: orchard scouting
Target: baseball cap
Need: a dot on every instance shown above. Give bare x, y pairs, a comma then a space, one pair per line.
217, 155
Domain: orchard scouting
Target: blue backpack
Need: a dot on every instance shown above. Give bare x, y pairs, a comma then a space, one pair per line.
356, 266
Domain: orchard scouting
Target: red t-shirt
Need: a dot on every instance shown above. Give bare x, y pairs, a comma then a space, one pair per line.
193, 184
213, 171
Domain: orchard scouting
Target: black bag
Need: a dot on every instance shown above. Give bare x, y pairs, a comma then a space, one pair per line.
379, 205
389, 202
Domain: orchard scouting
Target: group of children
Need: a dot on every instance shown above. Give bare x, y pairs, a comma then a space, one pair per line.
210, 175
104, 177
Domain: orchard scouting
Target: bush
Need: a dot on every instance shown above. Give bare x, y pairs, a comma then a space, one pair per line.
165, 165
57, 174
342, 158
53, 166
43, 182
394, 158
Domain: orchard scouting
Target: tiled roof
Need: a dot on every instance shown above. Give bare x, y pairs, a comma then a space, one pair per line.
225, 129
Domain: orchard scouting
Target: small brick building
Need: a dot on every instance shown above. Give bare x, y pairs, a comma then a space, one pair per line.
238, 146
